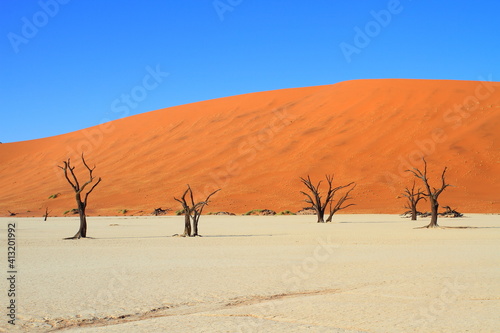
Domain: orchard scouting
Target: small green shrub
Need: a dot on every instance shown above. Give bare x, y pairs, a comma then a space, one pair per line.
72, 211
179, 212
286, 212
123, 211
250, 212
53, 196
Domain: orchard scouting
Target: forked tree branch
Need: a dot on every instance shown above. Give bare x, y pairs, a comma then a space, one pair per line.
434, 192
338, 206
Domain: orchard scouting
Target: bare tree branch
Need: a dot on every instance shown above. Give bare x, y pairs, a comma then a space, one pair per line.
91, 189
65, 169
315, 198
338, 206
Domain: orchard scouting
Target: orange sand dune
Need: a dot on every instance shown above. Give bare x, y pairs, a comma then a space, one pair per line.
256, 146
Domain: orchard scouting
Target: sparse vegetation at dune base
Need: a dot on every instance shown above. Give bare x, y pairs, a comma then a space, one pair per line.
265, 212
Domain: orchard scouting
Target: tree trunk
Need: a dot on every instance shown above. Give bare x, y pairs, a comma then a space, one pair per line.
321, 215
187, 224
329, 219
414, 212
82, 231
195, 225
434, 214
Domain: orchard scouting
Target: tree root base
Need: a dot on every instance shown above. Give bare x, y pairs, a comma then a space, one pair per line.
429, 227
184, 235
445, 227
77, 237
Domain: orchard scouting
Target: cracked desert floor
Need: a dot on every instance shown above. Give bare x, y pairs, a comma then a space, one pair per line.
361, 273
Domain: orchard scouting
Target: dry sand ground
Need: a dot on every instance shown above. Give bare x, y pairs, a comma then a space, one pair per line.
362, 273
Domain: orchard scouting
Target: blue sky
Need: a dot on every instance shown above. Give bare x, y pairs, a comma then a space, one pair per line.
71, 64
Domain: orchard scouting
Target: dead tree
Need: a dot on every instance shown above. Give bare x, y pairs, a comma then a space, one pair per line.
449, 212
187, 213
433, 194
70, 176
338, 206
316, 200
412, 200
46, 215
160, 211
192, 211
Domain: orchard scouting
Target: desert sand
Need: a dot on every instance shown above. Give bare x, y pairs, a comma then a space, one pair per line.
256, 146
361, 273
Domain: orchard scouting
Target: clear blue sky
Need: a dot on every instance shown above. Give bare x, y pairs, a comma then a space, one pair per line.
67, 65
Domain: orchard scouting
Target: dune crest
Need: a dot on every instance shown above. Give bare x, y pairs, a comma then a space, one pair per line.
256, 146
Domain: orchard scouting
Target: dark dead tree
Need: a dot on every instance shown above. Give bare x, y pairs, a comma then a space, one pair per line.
315, 198
433, 194
160, 211
46, 215
192, 211
412, 199
449, 212
80, 196
338, 206
187, 213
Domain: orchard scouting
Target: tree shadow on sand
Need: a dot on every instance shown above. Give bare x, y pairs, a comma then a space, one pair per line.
177, 236
457, 227
221, 236
368, 222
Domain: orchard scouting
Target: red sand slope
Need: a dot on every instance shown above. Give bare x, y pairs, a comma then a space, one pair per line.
256, 146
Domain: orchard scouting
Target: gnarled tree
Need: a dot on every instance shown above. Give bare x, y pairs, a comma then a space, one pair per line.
315, 198
432, 193
192, 211
412, 199
80, 196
